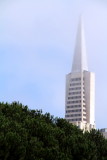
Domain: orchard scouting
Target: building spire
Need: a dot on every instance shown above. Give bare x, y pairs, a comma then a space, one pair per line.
80, 60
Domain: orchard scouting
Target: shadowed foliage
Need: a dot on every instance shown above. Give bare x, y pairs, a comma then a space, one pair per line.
30, 135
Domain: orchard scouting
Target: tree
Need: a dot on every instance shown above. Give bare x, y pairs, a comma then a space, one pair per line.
31, 135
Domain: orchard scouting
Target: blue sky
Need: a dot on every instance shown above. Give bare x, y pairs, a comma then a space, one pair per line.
37, 41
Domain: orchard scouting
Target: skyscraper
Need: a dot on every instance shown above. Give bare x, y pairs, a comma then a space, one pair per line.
80, 88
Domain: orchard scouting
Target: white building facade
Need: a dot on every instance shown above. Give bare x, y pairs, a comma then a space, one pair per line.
80, 88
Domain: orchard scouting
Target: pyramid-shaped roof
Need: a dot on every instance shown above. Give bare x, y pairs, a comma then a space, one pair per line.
80, 59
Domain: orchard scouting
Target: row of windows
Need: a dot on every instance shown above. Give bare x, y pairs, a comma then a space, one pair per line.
84, 115
73, 115
73, 93
75, 79
75, 84
76, 97
76, 110
77, 119
71, 102
74, 106
76, 88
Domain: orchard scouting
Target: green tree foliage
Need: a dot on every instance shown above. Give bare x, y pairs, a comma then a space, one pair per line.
30, 135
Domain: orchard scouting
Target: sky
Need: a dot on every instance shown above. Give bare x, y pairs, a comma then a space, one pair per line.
37, 41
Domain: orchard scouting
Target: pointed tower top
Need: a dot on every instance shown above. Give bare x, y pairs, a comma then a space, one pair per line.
80, 60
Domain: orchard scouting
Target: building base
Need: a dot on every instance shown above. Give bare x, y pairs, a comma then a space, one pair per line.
84, 126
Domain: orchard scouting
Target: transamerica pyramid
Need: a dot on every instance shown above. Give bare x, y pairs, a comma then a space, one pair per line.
80, 58
80, 88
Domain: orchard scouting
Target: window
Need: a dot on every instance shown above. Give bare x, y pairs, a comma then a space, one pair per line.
84, 119
76, 97
75, 84
73, 115
76, 88
84, 110
71, 102
84, 93
75, 79
74, 106
77, 119
71, 111
74, 93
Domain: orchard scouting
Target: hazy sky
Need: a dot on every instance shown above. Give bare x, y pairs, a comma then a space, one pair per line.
37, 41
